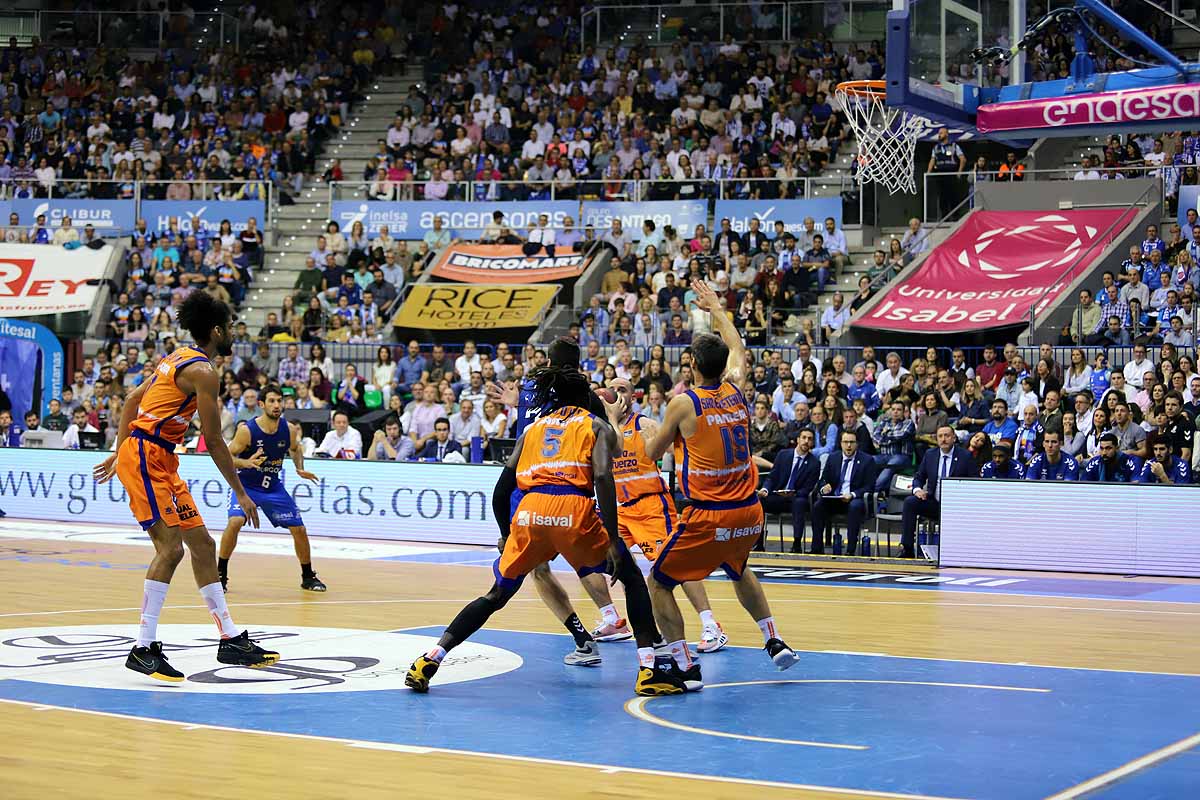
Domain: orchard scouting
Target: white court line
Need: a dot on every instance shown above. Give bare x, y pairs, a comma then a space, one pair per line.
920, 658
637, 709
1138, 764
400, 748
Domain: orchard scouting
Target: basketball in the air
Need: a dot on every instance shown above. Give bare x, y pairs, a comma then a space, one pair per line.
607, 395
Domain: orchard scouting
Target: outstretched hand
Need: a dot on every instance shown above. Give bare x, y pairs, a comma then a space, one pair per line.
706, 298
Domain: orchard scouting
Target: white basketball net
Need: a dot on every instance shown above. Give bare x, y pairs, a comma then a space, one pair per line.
887, 140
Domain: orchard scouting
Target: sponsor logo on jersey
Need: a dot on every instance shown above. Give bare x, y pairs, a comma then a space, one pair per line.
527, 518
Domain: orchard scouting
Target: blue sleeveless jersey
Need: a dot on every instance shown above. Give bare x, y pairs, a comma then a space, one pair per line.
265, 484
527, 412
275, 446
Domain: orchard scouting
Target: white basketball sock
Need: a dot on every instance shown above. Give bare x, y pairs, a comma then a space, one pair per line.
609, 614
214, 598
154, 594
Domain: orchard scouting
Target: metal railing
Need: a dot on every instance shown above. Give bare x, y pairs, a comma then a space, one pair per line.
937, 180
135, 191
770, 22
623, 189
123, 29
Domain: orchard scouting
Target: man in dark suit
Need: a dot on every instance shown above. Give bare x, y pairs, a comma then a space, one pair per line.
848, 478
790, 483
947, 461
441, 444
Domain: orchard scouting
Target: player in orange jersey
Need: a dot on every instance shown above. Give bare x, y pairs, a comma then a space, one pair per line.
646, 513
154, 419
709, 426
558, 461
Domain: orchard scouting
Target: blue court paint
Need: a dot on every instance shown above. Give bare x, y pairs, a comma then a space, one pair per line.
946, 741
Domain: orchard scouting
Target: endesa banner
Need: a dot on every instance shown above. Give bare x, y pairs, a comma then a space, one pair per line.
489, 263
462, 306
411, 219
682, 216
357, 499
790, 212
108, 217
40, 279
158, 213
993, 268
1099, 110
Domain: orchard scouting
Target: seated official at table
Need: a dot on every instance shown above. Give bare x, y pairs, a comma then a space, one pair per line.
848, 477
789, 485
948, 460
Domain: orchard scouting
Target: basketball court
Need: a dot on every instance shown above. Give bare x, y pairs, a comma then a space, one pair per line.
925, 684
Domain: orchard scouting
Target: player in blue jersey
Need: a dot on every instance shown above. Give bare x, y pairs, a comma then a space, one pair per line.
1051, 464
259, 446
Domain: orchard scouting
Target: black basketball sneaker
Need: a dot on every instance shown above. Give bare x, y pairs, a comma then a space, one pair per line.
149, 660
245, 652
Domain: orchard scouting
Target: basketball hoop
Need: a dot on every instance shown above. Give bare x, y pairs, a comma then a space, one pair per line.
887, 136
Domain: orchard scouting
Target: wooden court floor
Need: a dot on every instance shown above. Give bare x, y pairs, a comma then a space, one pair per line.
51, 751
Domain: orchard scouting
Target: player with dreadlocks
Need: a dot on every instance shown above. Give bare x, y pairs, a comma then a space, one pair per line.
558, 462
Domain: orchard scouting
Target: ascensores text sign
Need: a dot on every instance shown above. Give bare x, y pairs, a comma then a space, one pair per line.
483, 263
459, 306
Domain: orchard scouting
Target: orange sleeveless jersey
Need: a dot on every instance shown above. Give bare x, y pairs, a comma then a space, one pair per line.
714, 463
635, 474
558, 451
165, 410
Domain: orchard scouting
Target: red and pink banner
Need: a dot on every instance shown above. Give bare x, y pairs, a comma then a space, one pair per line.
1158, 104
993, 269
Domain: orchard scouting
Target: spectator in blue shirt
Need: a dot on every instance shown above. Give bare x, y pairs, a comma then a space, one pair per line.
1051, 464
1152, 242
411, 368
1000, 428
1111, 465
349, 290
825, 431
1165, 467
1002, 465
862, 389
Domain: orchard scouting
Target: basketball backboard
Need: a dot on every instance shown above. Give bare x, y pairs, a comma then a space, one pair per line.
932, 72
929, 42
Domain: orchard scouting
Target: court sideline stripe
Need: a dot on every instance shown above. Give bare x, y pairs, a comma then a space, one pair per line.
1138, 764
422, 750
778, 600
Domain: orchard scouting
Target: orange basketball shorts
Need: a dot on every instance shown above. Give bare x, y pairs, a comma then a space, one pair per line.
710, 535
552, 520
149, 471
647, 522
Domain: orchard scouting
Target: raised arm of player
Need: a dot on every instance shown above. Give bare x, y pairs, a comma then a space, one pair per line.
202, 380
735, 365
104, 471
296, 450
502, 493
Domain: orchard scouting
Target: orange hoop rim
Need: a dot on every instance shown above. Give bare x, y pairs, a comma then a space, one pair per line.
869, 90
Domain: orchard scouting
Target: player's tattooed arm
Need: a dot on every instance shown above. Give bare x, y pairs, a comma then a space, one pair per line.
296, 450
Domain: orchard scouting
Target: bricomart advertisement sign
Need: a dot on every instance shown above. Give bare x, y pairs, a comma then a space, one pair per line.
504, 263
460, 306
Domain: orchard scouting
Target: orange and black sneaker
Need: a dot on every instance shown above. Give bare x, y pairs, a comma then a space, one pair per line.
419, 674
149, 660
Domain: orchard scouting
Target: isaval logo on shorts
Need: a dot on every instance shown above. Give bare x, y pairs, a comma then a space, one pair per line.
725, 534
527, 518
